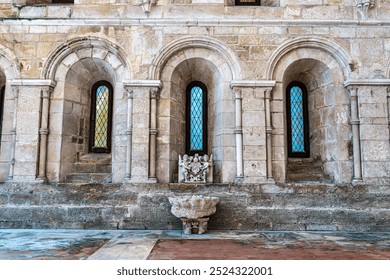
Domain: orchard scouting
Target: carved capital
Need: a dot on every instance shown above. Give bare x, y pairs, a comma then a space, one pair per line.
154, 93
15, 91
267, 93
130, 93
353, 91
237, 93
46, 92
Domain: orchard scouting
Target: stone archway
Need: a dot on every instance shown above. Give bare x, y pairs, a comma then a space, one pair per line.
209, 62
76, 67
322, 67
9, 71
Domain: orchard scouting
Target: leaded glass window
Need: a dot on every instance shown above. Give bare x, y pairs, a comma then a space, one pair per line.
196, 111
100, 130
297, 120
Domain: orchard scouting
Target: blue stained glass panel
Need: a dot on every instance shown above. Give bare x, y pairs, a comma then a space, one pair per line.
297, 120
196, 119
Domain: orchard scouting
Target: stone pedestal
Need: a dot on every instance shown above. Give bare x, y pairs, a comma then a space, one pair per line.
198, 226
193, 211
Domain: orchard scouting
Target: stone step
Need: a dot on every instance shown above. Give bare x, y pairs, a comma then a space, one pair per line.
307, 177
89, 178
82, 167
304, 168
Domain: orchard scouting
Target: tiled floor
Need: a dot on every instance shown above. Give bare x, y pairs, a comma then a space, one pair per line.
141, 245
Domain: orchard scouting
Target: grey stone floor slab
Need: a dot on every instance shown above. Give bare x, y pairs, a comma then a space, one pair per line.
22, 244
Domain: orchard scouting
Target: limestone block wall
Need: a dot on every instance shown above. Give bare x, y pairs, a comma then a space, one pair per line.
325, 44
374, 134
241, 207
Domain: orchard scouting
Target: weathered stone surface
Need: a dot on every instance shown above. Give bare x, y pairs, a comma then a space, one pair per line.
330, 46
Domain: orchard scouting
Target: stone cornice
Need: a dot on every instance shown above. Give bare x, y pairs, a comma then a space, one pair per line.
143, 83
32, 82
195, 22
252, 83
367, 82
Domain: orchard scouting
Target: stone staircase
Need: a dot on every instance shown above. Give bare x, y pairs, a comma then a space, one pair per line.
306, 170
92, 168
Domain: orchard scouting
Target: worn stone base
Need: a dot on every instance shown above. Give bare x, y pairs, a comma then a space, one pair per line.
242, 207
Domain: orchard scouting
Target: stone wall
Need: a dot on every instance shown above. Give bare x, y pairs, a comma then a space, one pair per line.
217, 47
51, 55
241, 207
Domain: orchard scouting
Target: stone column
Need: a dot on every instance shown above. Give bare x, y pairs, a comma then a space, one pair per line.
129, 132
388, 109
238, 132
355, 122
142, 124
268, 129
154, 94
43, 133
15, 91
31, 129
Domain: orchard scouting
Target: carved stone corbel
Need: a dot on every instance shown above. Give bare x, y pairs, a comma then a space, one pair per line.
363, 7
146, 5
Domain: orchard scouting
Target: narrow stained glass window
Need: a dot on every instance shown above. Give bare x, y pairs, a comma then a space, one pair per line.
196, 118
101, 118
297, 125
196, 130
297, 120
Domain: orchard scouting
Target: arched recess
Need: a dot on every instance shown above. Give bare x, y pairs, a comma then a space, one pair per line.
9, 70
209, 62
322, 66
77, 66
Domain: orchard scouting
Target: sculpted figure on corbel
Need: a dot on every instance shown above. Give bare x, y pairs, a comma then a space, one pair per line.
146, 5
195, 169
363, 7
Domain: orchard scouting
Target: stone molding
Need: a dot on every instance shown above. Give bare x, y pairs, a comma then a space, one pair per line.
9, 63
313, 42
143, 83
70, 47
32, 82
367, 82
192, 42
252, 83
199, 22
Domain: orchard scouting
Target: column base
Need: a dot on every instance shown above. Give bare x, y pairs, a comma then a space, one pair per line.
356, 182
41, 180
239, 179
152, 180
270, 181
